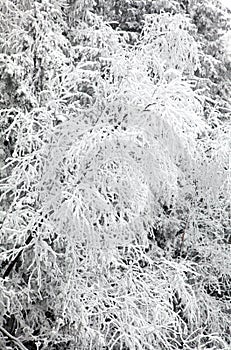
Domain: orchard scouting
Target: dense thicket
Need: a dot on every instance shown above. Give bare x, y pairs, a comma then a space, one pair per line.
115, 189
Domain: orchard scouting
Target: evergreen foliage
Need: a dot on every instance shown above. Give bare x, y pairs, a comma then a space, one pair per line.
115, 180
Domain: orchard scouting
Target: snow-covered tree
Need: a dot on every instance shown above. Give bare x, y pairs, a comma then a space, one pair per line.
114, 195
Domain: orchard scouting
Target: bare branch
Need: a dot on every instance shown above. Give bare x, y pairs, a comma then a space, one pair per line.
11, 337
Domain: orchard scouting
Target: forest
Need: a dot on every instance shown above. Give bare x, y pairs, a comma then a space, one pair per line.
115, 175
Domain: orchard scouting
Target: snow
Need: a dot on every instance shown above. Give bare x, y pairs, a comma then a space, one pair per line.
227, 36
226, 3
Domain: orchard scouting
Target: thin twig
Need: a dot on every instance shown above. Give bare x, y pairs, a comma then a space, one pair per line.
16, 259
11, 337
